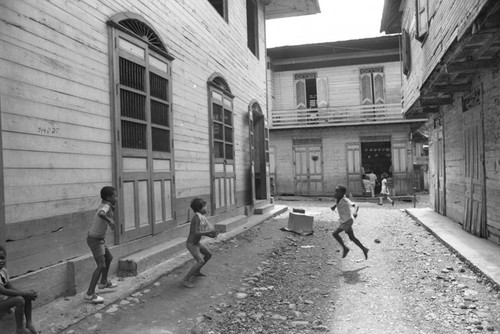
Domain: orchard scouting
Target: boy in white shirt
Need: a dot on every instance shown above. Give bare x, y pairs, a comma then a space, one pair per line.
346, 218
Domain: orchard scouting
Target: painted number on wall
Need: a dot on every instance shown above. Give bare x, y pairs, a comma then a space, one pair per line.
48, 131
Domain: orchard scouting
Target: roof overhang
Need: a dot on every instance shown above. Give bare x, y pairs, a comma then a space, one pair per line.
331, 54
476, 49
276, 9
391, 17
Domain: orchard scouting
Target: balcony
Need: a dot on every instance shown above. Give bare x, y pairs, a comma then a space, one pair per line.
338, 116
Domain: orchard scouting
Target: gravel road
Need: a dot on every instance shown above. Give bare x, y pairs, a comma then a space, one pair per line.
270, 281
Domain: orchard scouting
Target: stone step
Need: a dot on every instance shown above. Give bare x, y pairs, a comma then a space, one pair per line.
230, 224
262, 209
138, 262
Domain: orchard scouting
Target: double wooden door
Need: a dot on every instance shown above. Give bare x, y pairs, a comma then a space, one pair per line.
308, 163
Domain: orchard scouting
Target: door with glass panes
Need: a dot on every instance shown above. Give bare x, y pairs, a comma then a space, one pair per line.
222, 142
144, 164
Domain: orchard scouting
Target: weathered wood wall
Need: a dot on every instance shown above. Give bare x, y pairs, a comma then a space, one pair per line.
56, 117
447, 21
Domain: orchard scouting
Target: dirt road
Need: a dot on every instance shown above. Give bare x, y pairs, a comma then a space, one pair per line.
270, 281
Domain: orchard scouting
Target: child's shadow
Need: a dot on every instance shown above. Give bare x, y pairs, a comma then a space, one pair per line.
352, 276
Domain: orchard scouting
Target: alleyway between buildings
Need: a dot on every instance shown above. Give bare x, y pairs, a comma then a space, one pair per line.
271, 281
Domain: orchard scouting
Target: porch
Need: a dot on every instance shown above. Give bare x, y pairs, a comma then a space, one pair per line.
338, 116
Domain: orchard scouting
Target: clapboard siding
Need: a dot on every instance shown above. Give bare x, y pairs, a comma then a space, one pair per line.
343, 85
57, 117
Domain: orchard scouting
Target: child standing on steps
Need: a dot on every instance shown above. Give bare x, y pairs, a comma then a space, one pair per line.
346, 218
103, 218
11, 297
199, 227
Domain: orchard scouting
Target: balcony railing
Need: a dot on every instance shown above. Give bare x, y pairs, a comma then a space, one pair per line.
337, 116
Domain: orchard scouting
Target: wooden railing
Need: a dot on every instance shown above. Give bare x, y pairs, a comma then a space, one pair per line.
337, 116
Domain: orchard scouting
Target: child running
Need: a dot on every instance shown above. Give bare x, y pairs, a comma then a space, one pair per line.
11, 297
346, 218
199, 227
103, 218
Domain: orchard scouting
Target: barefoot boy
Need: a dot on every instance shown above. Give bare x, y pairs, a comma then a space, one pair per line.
103, 217
11, 297
346, 218
199, 227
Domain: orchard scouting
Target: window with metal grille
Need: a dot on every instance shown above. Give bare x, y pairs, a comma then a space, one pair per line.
144, 97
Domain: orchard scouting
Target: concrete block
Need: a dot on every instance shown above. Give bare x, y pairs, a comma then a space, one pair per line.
300, 223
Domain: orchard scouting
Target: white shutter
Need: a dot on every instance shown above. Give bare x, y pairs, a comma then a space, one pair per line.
322, 91
422, 18
300, 94
366, 88
378, 89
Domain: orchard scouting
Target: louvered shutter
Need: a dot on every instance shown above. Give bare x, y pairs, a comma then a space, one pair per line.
322, 91
366, 89
300, 94
378, 89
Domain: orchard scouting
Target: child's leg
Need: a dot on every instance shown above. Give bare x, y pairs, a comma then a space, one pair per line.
27, 314
107, 261
18, 303
207, 255
200, 262
336, 235
350, 233
101, 265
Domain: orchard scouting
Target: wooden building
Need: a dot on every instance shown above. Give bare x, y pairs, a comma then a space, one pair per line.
165, 100
451, 75
336, 112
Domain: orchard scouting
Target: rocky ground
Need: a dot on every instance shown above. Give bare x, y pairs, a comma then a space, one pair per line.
270, 281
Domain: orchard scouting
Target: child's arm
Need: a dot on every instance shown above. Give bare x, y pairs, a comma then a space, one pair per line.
334, 207
195, 225
355, 214
9, 290
110, 221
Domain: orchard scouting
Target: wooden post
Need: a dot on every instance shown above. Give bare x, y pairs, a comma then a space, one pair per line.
3, 230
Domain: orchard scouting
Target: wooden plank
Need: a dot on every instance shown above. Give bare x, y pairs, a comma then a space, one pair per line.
2, 199
17, 177
44, 160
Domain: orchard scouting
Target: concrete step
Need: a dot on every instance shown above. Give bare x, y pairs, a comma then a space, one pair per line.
138, 262
264, 208
230, 224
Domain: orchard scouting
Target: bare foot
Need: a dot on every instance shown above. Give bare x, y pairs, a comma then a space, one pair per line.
31, 328
200, 274
346, 250
365, 251
187, 284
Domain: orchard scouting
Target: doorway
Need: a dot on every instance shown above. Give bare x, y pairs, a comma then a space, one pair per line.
376, 157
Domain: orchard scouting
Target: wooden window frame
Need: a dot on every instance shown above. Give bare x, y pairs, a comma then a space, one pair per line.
222, 123
223, 10
422, 20
369, 72
253, 26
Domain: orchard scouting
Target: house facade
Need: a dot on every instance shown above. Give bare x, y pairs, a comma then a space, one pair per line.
335, 114
165, 101
451, 75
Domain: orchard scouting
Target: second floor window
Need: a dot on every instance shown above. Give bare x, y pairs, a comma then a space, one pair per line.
220, 6
252, 27
310, 91
422, 19
372, 85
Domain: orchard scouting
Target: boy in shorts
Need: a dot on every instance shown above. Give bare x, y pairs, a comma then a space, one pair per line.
103, 218
199, 227
346, 218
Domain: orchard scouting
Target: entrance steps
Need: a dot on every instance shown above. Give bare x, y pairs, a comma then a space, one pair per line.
138, 262
262, 207
231, 223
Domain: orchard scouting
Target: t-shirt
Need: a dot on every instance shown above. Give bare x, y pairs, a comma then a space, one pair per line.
4, 279
384, 189
204, 223
344, 209
99, 226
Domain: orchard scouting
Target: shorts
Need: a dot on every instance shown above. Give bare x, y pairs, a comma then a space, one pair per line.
198, 251
347, 225
97, 247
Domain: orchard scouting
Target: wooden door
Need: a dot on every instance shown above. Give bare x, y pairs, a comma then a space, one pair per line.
354, 183
403, 182
474, 220
308, 162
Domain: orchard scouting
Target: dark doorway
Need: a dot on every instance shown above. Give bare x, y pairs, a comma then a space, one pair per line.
376, 157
